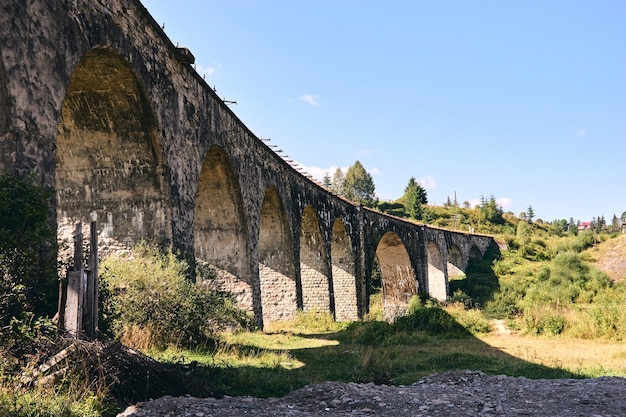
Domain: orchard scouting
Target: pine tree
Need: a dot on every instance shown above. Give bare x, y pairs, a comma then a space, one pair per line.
327, 181
615, 224
530, 213
412, 202
338, 182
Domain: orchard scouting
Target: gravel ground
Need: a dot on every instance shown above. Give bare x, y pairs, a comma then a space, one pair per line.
454, 393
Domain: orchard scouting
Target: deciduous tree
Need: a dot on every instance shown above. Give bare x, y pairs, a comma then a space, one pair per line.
359, 185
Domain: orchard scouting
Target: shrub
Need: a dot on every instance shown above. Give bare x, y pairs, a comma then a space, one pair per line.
429, 319
151, 303
541, 320
369, 333
28, 280
472, 319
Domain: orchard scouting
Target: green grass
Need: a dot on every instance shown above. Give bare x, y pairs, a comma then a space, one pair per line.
272, 364
71, 398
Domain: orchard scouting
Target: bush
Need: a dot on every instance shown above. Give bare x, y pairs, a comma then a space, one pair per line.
472, 319
369, 333
28, 284
149, 302
429, 319
541, 320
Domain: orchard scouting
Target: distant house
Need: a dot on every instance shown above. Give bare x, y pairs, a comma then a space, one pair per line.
584, 226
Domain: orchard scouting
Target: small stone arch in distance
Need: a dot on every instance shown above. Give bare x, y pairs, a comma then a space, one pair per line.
276, 261
437, 284
397, 275
344, 281
313, 266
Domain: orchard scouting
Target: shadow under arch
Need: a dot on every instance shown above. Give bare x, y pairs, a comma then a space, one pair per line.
276, 261
109, 164
344, 280
399, 281
480, 282
220, 232
314, 274
455, 262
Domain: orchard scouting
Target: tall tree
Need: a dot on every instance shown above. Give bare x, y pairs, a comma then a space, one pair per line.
615, 224
530, 213
338, 182
327, 181
412, 199
359, 185
490, 210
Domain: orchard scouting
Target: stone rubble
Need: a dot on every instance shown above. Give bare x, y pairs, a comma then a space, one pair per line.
453, 393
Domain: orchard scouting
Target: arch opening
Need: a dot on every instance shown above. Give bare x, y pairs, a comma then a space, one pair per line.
276, 261
220, 239
455, 263
109, 164
437, 283
398, 278
344, 281
475, 252
313, 264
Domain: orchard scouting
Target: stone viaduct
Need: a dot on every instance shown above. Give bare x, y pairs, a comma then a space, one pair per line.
98, 104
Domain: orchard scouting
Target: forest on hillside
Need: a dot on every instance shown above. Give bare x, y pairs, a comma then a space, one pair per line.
357, 185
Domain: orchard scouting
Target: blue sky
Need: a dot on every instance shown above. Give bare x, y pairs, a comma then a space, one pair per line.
524, 100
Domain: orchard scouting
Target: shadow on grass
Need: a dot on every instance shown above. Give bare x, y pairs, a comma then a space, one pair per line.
399, 353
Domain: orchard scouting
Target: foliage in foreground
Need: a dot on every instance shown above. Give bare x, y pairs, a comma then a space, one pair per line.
28, 280
73, 398
147, 301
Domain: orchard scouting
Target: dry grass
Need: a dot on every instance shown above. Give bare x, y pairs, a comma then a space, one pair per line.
610, 257
588, 357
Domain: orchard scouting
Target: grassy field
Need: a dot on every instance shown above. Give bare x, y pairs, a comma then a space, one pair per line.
274, 362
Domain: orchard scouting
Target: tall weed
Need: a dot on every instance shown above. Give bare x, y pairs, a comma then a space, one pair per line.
151, 303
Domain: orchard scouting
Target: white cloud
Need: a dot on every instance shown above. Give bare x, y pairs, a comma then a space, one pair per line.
312, 99
428, 182
474, 202
208, 71
504, 202
317, 172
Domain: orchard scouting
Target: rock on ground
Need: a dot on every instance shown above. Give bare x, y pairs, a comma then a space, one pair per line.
454, 393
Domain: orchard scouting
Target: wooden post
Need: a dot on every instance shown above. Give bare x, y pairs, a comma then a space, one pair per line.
91, 313
73, 317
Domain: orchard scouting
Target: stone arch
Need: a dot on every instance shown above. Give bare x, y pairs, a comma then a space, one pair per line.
109, 163
344, 281
276, 261
437, 282
313, 265
220, 238
455, 262
475, 252
397, 275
